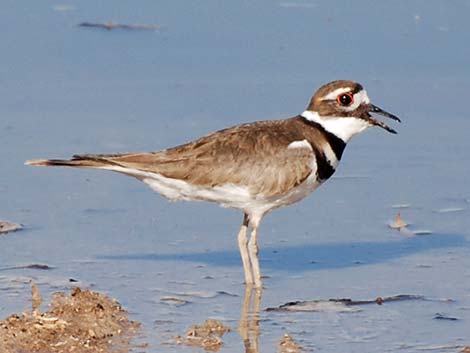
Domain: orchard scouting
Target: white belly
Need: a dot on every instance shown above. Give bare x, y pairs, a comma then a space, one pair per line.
228, 195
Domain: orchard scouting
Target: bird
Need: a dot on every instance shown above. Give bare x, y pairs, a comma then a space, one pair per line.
254, 167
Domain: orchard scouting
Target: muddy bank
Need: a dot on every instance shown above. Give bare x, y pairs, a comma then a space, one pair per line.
82, 321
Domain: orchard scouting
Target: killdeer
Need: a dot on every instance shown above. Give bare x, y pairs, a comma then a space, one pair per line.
255, 167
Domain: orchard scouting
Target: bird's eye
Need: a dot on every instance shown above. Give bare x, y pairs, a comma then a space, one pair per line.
345, 99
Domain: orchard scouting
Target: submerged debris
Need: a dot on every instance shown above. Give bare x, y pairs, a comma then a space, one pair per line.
63, 8
440, 316
288, 345
196, 294
83, 321
6, 227
31, 266
316, 306
113, 25
401, 205
340, 305
399, 224
450, 210
422, 232
440, 348
173, 301
207, 336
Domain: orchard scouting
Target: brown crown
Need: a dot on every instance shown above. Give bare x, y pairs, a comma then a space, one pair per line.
330, 108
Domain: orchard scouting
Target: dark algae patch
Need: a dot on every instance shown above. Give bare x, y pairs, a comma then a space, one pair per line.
336, 304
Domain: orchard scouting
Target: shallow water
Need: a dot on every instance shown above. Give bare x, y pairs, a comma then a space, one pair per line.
69, 90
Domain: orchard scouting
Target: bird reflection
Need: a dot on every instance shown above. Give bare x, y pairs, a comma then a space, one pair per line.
249, 327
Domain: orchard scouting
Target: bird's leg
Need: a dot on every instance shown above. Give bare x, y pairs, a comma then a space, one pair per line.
253, 252
243, 245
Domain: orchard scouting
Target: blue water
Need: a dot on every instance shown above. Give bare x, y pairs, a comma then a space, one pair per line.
66, 89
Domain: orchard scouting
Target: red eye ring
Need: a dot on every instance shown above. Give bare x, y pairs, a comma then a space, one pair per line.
345, 99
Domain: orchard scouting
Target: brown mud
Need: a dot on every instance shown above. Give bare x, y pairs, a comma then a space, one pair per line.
288, 345
207, 336
81, 322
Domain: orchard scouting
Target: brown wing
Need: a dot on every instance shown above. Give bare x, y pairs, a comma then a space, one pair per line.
254, 154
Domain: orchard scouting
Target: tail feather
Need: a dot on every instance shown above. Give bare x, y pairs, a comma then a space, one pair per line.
76, 161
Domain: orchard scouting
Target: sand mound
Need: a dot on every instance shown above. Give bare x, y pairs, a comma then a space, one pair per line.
83, 321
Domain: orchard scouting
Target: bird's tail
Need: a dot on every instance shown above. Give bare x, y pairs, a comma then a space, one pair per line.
78, 161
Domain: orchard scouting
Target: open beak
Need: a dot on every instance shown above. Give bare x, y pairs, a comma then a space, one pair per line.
373, 121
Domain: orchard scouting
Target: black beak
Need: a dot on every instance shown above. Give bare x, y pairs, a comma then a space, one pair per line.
377, 110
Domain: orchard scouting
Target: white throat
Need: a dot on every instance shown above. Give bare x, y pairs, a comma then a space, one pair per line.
342, 127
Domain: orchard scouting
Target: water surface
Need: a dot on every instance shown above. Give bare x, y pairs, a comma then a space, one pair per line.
69, 90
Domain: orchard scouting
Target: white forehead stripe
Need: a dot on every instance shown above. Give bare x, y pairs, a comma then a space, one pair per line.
336, 93
362, 97
300, 144
342, 127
